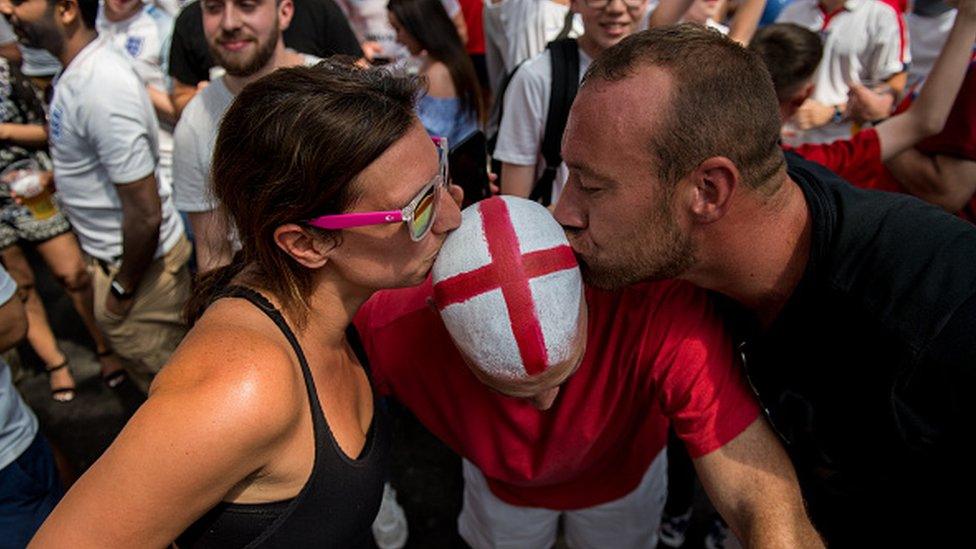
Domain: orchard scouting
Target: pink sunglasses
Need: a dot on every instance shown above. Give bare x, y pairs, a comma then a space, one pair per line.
418, 214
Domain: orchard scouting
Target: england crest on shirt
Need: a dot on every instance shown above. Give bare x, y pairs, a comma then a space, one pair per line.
54, 122
133, 45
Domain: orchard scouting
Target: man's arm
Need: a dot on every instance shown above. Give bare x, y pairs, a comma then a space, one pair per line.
942, 180
751, 482
163, 105
210, 231
745, 20
928, 114
517, 180
668, 12
141, 217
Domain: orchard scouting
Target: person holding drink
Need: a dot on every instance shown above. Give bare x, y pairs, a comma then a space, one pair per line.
38, 222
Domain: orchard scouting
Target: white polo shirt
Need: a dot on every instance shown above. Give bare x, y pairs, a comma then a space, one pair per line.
516, 30
144, 39
523, 121
103, 133
864, 42
929, 35
194, 141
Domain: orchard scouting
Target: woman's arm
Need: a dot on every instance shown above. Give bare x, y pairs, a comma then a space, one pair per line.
215, 415
25, 135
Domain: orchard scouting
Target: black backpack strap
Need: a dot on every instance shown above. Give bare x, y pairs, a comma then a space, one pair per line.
565, 83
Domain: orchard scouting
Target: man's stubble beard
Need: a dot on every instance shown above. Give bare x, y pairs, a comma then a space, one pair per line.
669, 256
261, 56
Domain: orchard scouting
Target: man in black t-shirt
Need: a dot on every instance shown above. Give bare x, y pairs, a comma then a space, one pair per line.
860, 338
318, 28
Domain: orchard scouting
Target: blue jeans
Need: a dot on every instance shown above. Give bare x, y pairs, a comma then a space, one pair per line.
29, 490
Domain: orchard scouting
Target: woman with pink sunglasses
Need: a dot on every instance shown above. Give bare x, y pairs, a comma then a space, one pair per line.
263, 429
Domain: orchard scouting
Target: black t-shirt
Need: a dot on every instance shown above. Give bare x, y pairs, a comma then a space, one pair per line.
318, 27
867, 371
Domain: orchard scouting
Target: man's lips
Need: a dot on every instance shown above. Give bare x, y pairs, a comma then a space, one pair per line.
234, 45
614, 29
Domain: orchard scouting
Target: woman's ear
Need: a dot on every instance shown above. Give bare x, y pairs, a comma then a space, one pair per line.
307, 248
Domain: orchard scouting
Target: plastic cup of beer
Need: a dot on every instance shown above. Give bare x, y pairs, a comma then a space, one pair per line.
24, 179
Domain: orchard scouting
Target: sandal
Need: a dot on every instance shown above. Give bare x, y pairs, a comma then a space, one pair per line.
112, 379
61, 394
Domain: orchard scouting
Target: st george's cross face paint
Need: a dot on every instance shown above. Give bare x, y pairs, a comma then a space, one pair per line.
508, 288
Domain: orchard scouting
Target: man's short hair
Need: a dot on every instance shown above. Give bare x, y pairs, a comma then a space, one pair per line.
722, 101
791, 53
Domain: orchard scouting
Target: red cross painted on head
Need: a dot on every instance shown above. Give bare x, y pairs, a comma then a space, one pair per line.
510, 270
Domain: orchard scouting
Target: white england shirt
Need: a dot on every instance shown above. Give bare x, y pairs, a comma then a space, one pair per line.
864, 42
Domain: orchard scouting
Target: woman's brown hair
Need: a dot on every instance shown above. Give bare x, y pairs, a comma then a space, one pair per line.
290, 148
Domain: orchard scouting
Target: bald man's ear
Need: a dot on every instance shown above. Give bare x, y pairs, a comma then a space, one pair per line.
713, 181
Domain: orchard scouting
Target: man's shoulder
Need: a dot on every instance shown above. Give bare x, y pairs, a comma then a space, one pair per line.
534, 71
206, 108
103, 73
907, 263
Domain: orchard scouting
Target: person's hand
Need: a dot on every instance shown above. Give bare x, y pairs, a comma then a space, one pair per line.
117, 307
47, 181
493, 187
813, 114
202, 84
866, 105
371, 49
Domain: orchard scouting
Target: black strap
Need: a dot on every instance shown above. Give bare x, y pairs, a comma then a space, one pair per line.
565, 84
567, 26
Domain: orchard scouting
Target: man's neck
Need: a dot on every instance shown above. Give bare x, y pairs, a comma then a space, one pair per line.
282, 57
758, 257
75, 43
117, 17
589, 46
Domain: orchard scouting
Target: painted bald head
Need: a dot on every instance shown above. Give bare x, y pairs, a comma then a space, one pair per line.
509, 290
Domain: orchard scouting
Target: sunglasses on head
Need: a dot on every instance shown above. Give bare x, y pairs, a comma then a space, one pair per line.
418, 214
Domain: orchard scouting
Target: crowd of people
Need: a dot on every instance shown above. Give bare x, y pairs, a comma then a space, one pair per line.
714, 239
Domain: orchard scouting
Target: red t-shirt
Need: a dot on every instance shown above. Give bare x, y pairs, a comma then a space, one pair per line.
473, 11
655, 351
858, 159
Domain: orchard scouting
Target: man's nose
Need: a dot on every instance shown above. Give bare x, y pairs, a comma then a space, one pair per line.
448, 211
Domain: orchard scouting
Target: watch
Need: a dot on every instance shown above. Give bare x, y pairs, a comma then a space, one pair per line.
838, 116
119, 291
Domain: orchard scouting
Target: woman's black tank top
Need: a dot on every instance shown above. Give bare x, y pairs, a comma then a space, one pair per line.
338, 503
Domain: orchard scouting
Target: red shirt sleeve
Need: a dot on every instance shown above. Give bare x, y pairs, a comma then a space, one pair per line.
704, 391
857, 160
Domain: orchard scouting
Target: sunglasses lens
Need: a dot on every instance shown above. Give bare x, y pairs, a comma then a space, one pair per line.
423, 216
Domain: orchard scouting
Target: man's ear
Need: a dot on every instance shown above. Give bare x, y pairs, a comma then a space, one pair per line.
713, 181
68, 12
286, 10
303, 245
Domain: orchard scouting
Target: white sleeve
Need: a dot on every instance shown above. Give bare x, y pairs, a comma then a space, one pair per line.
6, 32
890, 53
123, 130
451, 7
191, 177
7, 286
524, 116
